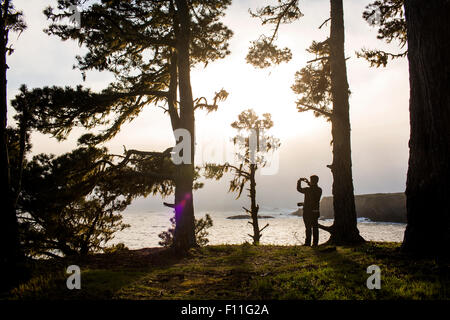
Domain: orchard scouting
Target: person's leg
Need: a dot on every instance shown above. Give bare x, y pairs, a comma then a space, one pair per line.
315, 231
307, 230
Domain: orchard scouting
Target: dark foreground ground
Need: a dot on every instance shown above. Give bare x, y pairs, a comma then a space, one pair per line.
242, 272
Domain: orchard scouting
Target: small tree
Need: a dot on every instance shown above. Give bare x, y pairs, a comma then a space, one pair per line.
252, 146
69, 205
201, 233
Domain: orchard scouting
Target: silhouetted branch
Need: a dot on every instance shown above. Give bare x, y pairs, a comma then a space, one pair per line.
322, 112
166, 41
326, 228
165, 109
279, 20
170, 205
274, 17
260, 230
127, 159
155, 175
242, 173
320, 27
318, 59
202, 102
246, 210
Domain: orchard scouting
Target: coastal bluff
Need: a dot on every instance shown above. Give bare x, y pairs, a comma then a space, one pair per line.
380, 207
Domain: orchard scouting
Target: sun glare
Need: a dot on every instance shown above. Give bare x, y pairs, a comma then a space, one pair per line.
261, 90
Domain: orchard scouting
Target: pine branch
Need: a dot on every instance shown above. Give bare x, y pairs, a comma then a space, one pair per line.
322, 112
127, 158
319, 59
324, 23
242, 173
260, 230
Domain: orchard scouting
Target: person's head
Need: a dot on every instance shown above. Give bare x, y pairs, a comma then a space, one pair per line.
314, 179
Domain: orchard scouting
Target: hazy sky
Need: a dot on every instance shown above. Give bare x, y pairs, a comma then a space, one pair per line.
378, 105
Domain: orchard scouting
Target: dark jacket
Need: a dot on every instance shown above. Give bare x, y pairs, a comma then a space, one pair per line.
312, 198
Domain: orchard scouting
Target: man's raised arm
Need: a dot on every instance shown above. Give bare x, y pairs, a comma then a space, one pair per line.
299, 185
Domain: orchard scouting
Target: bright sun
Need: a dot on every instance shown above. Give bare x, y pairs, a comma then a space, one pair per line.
261, 90
265, 91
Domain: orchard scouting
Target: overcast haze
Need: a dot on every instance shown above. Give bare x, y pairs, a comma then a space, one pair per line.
379, 105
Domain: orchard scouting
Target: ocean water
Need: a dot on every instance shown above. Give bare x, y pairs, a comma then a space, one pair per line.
283, 229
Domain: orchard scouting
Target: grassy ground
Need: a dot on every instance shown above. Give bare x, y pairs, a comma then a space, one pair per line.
242, 272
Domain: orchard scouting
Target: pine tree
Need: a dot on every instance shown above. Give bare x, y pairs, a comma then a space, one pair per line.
428, 179
422, 27
253, 146
150, 47
71, 204
11, 255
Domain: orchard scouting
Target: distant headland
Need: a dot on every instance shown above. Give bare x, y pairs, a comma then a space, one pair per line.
380, 207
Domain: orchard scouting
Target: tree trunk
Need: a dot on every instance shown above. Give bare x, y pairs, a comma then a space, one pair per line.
254, 207
184, 237
345, 229
10, 251
428, 180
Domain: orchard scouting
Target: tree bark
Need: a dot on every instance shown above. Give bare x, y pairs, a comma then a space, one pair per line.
184, 236
345, 229
254, 207
428, 180
10, 253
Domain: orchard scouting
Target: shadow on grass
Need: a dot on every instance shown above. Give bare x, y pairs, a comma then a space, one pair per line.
221, 272
242, 272
343, 274
102, 275
401, 276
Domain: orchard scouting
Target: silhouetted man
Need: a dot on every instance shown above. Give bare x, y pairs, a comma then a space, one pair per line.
311, 208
